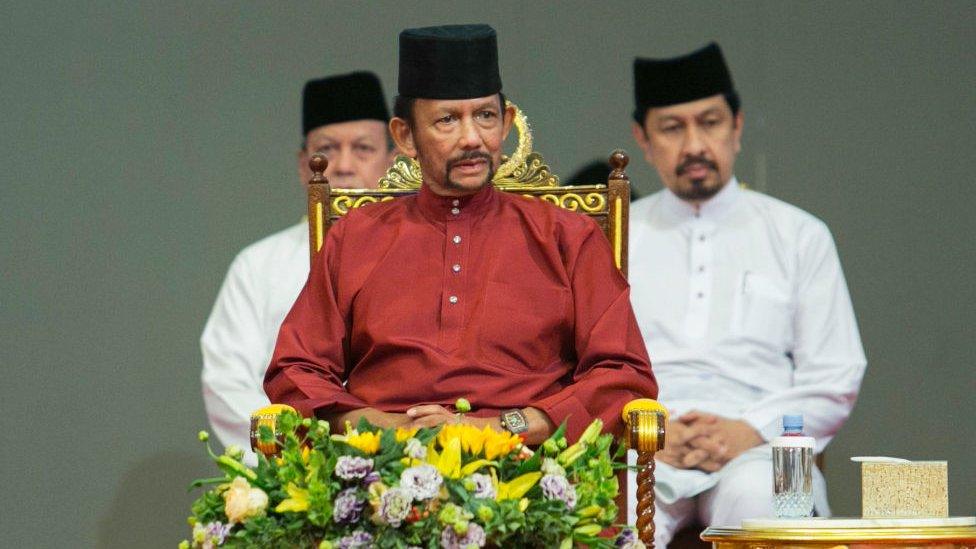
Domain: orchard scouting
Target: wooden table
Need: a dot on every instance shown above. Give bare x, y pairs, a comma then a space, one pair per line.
845, 534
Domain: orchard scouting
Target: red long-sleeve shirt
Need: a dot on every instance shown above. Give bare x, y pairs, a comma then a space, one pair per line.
503, 300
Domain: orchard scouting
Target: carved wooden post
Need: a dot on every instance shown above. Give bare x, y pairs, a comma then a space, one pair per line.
619, 195
645, 419
318, 204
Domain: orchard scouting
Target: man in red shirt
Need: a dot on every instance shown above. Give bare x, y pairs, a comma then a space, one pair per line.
461, 290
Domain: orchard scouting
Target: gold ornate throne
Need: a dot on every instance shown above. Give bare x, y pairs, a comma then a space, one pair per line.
526, 173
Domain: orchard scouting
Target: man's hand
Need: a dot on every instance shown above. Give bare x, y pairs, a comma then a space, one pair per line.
677, 443
379, 418
707, 442
431, 415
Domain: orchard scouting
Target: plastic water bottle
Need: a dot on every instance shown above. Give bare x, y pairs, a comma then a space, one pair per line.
792, 470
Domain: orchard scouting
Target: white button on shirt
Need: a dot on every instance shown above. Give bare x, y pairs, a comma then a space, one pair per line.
745, 311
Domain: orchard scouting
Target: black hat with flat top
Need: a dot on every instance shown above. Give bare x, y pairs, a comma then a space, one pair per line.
662, 82
449, 62
343, 98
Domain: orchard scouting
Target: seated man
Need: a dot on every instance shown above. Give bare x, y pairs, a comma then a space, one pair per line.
345, 118
740, 297
461, 290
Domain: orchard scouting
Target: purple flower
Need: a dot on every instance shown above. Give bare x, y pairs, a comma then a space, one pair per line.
414, 449
372, 477
347, 508
218, 531
395, 506
628, 540
558, 487
474, 537
356, 540
351, 468
210, 535
422, 481
480, 486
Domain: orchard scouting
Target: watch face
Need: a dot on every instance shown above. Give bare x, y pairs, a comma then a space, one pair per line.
515, 421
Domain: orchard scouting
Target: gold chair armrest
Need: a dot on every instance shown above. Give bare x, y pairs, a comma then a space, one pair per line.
268, 417
645, 419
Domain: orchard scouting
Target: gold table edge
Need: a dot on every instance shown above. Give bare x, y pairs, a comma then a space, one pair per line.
715, 534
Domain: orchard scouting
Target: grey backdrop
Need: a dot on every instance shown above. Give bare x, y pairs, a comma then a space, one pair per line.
145, 144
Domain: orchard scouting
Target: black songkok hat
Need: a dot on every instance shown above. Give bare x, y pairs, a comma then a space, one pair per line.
342, 98
449, 62
662, 82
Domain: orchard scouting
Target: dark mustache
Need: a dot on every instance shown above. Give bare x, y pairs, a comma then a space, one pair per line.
683, 167
470, 155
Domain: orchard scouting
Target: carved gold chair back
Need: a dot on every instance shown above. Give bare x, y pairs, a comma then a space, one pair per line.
524, 172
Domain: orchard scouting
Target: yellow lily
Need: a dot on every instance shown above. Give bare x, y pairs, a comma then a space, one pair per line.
448, 462
571, 454
518, 486
593, 431
472, 439
500, 444
475, 465
404, 434
297, 500
368, 443
590, 511
588, 530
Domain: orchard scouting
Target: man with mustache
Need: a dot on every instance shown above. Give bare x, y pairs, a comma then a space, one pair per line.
461, 290
740, 298
344, 117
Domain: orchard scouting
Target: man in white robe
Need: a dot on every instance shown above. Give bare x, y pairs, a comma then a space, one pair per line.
741, 300
345, 118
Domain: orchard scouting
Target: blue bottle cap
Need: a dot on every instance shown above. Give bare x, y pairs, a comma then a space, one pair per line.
793, 422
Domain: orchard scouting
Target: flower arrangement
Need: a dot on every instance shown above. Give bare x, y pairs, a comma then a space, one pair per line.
455, 486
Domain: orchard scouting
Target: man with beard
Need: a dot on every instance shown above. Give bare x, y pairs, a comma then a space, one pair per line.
740, 297
344, 117
461, 290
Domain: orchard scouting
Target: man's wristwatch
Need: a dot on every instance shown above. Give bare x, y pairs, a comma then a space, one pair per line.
514, 421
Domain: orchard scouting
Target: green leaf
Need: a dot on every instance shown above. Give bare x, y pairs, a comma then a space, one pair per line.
204, 481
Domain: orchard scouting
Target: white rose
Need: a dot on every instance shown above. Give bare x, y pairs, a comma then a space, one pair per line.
242, 502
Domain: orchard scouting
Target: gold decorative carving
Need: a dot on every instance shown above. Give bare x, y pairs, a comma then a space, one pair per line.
532, 173
403, 174
591, 202
341, 204
523, 169
523, 150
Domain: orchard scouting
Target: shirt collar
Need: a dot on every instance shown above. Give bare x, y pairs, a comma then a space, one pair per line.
712, 209
447, 208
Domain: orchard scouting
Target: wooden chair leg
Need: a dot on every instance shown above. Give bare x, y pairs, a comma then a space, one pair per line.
645, 498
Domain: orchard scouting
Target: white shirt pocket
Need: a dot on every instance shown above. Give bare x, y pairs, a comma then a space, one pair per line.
762, 311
